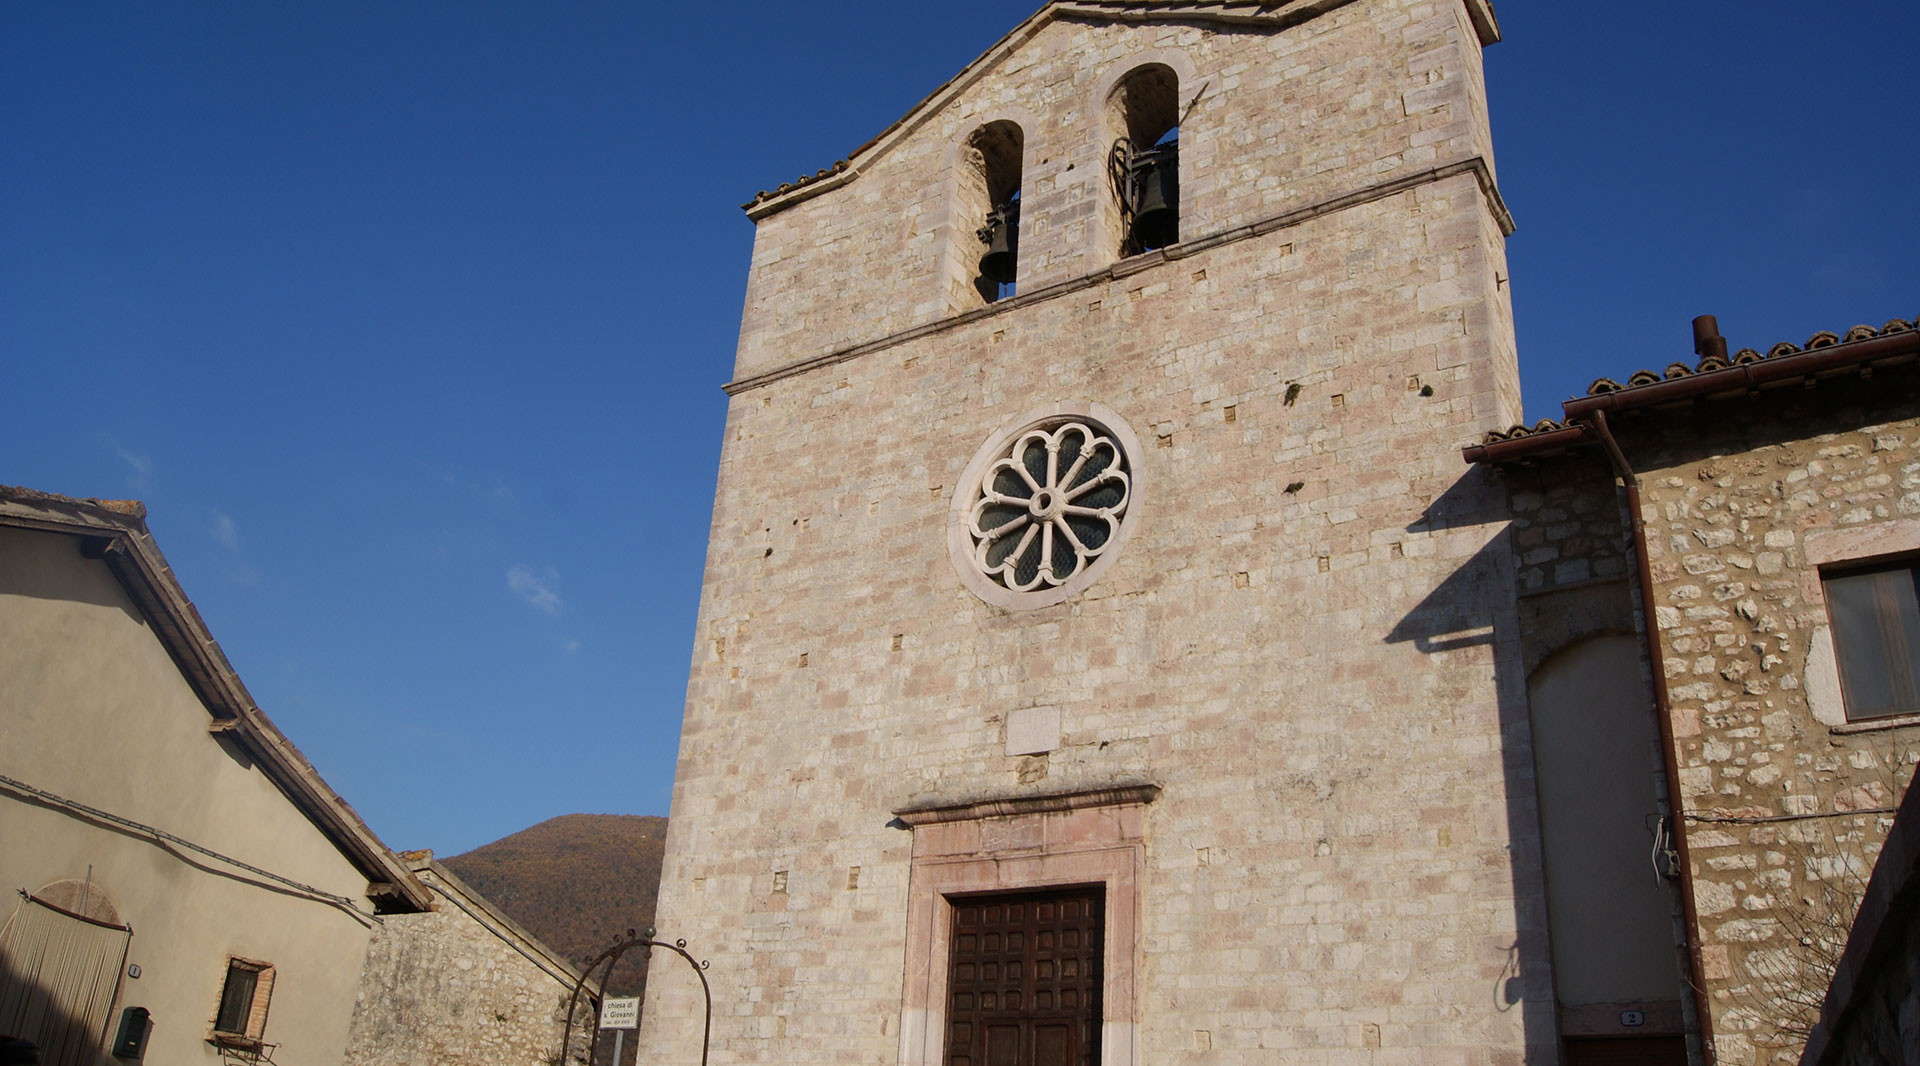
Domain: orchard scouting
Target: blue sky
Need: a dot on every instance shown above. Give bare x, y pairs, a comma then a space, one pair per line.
408, 320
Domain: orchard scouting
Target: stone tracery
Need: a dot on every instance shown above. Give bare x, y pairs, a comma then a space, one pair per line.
1049, 506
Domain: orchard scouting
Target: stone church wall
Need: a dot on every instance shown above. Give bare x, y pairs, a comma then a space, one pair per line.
1324, 716
1573, 568
1273, 122
1308, 643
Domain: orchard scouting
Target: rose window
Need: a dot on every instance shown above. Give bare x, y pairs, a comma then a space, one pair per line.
1049, 506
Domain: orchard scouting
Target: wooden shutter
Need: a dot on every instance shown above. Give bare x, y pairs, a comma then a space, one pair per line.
262, 995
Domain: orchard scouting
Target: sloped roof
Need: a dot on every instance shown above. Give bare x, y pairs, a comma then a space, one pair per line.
1825, 353
1745, 356
115, 531
1261, 15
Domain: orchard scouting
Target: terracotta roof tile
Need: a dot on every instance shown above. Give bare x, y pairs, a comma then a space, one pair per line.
129, 508
1545, 425
1822, 339
1674, 371
800, 182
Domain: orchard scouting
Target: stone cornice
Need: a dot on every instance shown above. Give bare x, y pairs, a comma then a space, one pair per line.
1015, 806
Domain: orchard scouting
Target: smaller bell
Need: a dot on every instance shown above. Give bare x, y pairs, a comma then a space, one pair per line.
1156, 196
1001, 235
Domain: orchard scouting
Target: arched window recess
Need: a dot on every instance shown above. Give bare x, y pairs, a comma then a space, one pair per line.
990, 192
1143, 166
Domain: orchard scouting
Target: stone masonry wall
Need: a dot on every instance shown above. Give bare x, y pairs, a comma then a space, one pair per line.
449, 988
1366, 93
1308, 642
1575, 582
1573, 568
1739, 495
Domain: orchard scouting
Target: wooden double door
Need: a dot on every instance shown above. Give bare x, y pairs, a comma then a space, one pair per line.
1023, 981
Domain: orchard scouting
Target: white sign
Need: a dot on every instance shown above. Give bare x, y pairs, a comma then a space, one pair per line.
620, 1013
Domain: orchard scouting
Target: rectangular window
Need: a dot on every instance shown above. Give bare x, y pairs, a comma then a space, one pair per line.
243, 1001
1876, 639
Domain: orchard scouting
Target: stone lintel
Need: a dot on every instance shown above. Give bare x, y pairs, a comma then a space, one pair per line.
1015, 806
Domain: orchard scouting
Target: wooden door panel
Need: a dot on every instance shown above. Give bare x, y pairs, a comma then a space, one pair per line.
1003, 1045
1024, 979
1053, 1044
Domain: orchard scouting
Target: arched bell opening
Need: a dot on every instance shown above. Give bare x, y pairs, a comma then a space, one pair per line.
1143, 166
989, 207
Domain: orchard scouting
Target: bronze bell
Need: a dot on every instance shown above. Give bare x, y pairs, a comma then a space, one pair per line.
1001, 235
1156, 199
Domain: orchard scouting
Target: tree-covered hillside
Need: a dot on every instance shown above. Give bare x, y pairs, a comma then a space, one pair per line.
577, 882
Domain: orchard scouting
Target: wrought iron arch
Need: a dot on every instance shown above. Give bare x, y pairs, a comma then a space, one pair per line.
610, 957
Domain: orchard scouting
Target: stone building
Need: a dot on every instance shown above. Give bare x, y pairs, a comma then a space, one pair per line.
464, 984
186, 878
1119, 665
1777, 500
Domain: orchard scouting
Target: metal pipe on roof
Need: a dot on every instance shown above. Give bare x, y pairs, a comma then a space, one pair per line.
1707, 341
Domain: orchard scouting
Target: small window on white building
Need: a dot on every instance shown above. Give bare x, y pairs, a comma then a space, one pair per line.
1875, 614
242, 1016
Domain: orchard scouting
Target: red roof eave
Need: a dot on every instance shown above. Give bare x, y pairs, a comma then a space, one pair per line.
1897, 343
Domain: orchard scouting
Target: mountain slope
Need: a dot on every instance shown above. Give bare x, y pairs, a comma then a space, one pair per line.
577, 882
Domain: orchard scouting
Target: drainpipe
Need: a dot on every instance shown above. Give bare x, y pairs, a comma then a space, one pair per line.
1664, 716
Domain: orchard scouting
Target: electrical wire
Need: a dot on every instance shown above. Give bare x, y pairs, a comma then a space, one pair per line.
1728, 819
162, 836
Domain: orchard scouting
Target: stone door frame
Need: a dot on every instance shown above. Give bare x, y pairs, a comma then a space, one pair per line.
1095, 837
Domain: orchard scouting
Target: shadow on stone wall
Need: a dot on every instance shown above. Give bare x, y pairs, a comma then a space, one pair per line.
1472, 608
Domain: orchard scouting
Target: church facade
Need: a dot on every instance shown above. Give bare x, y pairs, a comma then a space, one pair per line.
1118, 665
1135, 631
